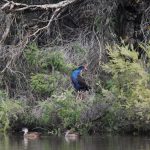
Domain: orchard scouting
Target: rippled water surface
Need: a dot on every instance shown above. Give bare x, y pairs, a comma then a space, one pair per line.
17, 142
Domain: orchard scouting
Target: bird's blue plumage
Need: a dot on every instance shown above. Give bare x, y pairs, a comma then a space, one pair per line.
74, 76
77, 81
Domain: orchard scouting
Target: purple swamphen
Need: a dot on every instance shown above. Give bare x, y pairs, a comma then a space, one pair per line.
79, 82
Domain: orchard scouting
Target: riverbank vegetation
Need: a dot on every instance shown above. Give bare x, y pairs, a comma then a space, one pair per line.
122, 103
40, 46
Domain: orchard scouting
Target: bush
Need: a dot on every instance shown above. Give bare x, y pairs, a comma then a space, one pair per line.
9, 110
55, 61
43, 84
32, 54
68, 109
129, 84
46, 61
63, 111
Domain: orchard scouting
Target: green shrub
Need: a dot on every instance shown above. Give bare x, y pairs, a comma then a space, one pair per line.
43, 84
68, 109
9, 109
129, 84
53, 60
47, 60
32, 54
29, 118
65, 108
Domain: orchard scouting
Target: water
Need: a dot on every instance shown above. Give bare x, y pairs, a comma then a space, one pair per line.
17, 142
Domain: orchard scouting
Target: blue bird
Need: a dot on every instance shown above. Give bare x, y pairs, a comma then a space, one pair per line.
77, 81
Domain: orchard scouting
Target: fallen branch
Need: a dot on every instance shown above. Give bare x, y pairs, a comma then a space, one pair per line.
14, 7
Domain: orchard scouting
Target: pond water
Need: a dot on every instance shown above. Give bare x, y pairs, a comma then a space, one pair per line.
17, 142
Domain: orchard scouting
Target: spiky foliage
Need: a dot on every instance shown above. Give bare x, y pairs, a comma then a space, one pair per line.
8, 111
129, 84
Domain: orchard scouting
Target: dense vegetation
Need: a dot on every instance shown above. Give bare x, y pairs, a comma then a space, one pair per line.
37, 59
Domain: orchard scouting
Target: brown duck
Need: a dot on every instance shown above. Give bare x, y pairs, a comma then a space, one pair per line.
69, 133
30, 135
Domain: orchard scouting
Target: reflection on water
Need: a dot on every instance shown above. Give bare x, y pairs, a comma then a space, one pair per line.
17, 142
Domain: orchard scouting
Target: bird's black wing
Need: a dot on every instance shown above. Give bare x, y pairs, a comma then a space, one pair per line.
82, 83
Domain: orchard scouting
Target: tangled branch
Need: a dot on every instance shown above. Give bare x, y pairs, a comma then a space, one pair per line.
12, 6
15, 36
49, 23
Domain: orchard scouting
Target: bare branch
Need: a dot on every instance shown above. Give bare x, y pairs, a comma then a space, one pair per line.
16, 52
49, 23
6, 32
12, 6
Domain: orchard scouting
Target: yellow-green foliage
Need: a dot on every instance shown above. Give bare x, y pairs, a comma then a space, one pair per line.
8, 111
65, 107
130, 81
68, 109
43, 83
47, 112
32, 54
47, 60
45, 69
54, 60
